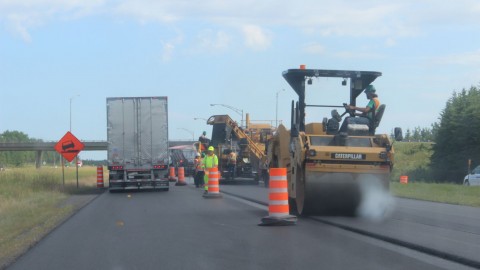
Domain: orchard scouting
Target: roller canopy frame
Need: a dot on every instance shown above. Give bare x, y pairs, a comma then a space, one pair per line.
359, 80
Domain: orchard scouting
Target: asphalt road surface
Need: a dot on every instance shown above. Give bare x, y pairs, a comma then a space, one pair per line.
180, 229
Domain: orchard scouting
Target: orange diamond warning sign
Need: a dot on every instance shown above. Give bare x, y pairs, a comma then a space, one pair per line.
69, 146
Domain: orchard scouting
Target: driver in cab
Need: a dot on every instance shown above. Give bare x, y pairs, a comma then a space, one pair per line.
365, 115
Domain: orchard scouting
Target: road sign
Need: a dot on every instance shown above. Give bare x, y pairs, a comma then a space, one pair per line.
69, 146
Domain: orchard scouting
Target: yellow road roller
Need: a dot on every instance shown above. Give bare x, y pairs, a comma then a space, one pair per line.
330, 168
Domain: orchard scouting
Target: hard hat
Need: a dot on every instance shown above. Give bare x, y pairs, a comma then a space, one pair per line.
197, 154
204, 133
210, 148
370, 89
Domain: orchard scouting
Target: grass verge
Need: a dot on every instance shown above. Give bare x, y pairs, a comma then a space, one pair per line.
444, 193
412, 159
33, 202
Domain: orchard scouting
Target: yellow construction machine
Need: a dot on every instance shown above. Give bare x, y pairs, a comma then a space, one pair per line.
328, 170
247, 142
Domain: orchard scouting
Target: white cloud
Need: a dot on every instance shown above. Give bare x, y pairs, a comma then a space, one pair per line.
314, 48
390, 42
213, 41
343, 18
369, 18
167, 51
357, 55
255, 37
168, 48
18, 25
20, 16
146, 11
465, 58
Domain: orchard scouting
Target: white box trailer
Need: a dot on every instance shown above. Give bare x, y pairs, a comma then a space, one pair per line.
137, 135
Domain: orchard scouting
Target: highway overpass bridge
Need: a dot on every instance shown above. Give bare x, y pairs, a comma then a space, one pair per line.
39, 147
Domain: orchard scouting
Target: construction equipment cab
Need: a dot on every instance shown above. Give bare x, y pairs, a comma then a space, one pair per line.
247, 142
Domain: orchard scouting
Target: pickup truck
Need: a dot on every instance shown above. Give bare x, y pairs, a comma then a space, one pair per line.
472, 179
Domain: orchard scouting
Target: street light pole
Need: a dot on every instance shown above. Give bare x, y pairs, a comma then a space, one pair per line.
276, 108
189, 131
71, 98
71, 114
199, 118
239, 111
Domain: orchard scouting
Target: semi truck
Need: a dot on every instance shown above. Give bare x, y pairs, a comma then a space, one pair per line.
137, 135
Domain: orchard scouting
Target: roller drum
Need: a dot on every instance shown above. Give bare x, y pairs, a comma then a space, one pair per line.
334, 193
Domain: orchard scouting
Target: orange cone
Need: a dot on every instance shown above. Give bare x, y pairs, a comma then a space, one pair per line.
181, 177
100, 177
278, 209
213, 184
171, 176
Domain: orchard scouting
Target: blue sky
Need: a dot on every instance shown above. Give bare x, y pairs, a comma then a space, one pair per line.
226, 52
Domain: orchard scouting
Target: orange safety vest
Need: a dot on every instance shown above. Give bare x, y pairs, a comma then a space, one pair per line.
198, 164
232, 158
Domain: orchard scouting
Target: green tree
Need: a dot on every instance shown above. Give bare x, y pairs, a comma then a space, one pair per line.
408, 136
457, 136
15, 158
419, 134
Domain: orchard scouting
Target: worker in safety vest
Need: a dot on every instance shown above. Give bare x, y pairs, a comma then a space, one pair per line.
199, 171
210, 161
366, 113
231, 163
204, 142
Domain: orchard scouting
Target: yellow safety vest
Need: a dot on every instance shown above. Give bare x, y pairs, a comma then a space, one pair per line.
210, 161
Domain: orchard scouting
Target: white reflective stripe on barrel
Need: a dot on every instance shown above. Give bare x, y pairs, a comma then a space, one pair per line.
279, 190
278, 202
278, 178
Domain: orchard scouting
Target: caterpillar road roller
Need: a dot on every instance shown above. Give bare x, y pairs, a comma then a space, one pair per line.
328, 168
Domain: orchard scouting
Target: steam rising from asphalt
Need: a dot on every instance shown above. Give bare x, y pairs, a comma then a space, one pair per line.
377, 203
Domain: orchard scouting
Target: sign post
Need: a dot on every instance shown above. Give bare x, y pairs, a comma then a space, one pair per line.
69, 147
63, 173
76, 168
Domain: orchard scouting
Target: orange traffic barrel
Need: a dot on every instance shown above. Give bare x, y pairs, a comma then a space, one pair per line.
171, 175
100, 177
404, 179
278, 208
213, 184
181, 177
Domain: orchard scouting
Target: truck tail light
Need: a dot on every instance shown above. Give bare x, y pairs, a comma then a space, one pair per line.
115, 168
159, 166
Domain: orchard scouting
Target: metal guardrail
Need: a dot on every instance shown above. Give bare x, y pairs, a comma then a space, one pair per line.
49, 146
